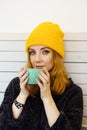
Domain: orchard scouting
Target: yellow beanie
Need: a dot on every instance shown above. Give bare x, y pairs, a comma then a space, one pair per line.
47, 34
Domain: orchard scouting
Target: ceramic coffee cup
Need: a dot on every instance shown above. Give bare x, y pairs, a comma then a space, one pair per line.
33, 75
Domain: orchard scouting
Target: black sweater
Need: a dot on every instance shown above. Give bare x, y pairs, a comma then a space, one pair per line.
33, 117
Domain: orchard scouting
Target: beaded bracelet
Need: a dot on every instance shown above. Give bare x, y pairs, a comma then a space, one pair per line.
18, 104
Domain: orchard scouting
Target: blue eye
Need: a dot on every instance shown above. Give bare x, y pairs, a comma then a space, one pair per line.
45, 52
31, 52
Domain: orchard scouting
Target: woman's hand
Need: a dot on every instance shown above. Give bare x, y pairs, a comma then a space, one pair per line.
23, 76
51, 110
24, 92
44, 84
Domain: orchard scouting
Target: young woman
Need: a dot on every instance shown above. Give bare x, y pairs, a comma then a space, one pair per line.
55, 103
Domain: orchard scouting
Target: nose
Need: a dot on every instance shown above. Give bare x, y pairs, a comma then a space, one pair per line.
38, 57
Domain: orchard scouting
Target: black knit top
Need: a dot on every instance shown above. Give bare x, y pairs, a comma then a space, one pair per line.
33, 116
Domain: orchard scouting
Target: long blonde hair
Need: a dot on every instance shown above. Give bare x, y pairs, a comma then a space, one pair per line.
58, 74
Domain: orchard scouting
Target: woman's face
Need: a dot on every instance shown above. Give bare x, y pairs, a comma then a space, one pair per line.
41, 56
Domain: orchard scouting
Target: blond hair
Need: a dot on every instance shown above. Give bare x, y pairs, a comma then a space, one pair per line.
58, 74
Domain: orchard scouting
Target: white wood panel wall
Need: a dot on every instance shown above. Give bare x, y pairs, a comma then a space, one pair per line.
13, 57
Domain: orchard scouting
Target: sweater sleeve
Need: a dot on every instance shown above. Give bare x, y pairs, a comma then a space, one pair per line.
7, 121
70, 116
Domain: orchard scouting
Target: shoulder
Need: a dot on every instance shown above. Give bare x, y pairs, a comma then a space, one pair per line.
13, 85
74, 88
73, 93
14, 82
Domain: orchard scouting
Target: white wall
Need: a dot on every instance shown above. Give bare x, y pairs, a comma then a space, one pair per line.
23, 15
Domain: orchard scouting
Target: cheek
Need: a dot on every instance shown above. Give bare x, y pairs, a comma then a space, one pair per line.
50, 58
31, 60
50, 62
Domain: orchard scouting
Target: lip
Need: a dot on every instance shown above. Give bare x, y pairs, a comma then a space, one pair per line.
39, 67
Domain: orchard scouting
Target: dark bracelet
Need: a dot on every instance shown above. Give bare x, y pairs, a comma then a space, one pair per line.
18, 104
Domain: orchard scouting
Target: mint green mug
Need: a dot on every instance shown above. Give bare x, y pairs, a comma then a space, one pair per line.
33, 75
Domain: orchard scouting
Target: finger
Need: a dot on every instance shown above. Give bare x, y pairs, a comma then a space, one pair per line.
43, 76
24, 82
46, 71
22, 72
39, 84
24, 77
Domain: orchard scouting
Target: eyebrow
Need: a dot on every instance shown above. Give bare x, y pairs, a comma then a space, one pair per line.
41, 48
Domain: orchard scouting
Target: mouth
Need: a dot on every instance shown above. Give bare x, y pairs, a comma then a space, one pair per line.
39, 67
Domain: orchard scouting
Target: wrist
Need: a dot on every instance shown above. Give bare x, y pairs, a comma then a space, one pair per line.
22, 98
48, 99
24, 95
18, 104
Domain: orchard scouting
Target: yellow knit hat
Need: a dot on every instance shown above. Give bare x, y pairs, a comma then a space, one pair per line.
47, 34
